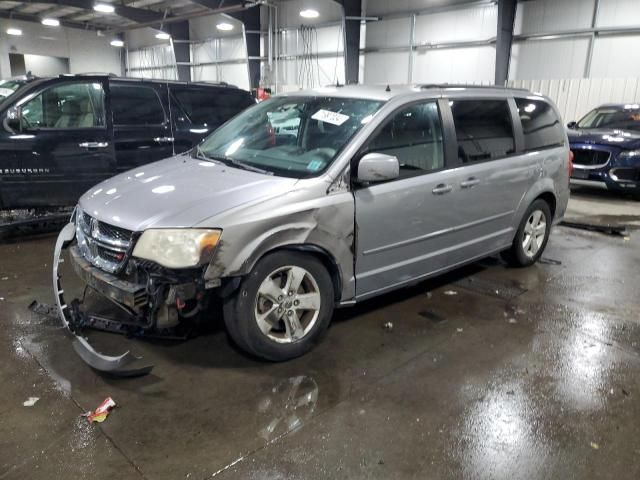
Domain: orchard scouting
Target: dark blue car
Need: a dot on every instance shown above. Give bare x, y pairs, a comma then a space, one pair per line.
606, 148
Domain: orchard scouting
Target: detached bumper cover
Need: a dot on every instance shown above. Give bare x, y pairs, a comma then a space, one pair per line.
71, 318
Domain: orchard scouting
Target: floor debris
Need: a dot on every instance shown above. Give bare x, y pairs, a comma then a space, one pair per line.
450, 292
595, 446
513, 320
31, 401
459, 330
100, 414
388, 326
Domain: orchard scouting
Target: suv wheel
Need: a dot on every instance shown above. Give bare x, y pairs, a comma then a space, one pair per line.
531, 237
282, 308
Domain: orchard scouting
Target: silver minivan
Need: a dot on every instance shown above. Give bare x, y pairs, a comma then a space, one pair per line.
314, 200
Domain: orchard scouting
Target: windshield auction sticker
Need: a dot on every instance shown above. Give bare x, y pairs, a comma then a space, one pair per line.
328, 116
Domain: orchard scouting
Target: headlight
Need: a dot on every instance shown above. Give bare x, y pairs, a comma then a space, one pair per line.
177, 247
630, 155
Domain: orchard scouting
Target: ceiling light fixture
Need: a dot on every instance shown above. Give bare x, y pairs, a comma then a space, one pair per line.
163, 36
309, 13
117, 43
14, 31
225, 27
51, 22
104, 8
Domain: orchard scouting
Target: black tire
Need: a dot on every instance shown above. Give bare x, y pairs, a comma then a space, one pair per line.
240, 309
516, 256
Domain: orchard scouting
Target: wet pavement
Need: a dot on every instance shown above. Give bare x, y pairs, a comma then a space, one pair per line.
488, 372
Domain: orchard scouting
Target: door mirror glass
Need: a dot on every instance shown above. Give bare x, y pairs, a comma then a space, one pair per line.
572, 125
378, 167
12, 119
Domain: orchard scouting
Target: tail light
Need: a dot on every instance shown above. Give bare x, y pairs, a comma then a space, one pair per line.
570, 163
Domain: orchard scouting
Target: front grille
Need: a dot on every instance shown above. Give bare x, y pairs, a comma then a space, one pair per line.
590, 158
103, 245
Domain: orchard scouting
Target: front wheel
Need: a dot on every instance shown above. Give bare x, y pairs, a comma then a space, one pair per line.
282, 308
531, 237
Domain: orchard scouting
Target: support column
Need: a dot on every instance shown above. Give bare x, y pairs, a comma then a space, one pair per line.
352, 18
504, 39
251, 20
179, 32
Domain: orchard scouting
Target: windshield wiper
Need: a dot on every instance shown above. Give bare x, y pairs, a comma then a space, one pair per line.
238, 164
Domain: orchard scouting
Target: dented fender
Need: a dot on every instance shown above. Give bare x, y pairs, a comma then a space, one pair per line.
299, 218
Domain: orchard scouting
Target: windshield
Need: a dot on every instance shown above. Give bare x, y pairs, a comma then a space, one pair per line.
289, 136
7, 87
627, 118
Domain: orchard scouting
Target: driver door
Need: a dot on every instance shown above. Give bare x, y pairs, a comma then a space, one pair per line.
404, 224
63, 146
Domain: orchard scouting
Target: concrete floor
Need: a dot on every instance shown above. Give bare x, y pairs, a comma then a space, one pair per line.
531, 373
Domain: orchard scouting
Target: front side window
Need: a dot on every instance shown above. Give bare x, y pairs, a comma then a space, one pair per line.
71, 105
483, 129
289, 136
622, 118
136, 105
414, 136
540, 124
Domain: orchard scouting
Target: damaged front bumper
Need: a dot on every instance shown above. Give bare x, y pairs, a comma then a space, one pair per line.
73, 319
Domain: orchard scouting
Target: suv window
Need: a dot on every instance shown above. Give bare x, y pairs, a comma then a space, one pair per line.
414, 136
540, 125
136, 105
212, 106
70, 105
483, 129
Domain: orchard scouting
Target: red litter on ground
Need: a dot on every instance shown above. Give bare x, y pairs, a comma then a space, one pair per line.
100, 414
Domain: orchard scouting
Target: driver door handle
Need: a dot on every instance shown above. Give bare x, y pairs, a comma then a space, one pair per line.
93, 144
470, 182
441, 189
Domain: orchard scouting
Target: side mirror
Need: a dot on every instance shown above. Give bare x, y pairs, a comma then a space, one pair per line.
572, 125
377, 167
14, 118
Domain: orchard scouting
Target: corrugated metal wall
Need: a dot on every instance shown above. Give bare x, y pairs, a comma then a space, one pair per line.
575, 97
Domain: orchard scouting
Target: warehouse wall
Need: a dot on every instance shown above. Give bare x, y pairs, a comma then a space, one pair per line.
85, 50
388, 40
613, 55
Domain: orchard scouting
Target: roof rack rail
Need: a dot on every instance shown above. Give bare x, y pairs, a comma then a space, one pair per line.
95, 74
464, 85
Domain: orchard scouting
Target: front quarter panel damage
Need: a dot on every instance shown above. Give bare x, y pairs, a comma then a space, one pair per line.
297, 218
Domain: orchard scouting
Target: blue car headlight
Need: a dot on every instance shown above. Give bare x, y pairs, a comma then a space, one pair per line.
630, 155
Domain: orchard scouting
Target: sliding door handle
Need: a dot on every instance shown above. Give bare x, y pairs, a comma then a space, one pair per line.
163, 139
441, 189
470, 182
93, 144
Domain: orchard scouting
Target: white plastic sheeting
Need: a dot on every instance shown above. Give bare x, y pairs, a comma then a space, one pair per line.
209, 52
152, 62
575, 97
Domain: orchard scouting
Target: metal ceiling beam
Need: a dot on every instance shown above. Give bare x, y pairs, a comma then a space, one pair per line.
138, 15
65, 23
216, 4
187, 16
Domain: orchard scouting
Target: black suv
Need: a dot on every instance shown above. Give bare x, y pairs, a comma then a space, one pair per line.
60, 136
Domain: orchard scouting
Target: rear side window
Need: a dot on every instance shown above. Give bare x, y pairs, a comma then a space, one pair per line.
483, 129
212, 106
540, 124
135, 105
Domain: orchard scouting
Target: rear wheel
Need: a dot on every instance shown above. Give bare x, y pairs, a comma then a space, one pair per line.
282, 308
531, 237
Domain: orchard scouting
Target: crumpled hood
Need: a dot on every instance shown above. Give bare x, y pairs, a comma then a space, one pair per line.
180, 191
627, 139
